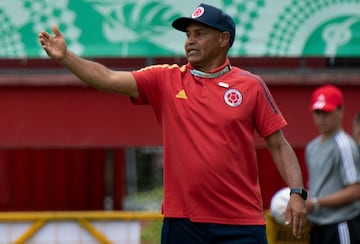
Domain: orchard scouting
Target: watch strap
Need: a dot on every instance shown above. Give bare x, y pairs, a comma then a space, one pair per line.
300, 191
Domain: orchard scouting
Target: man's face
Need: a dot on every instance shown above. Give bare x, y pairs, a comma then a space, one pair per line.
328, 122
203, 45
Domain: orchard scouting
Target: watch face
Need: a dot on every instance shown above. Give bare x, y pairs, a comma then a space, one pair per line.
299, 191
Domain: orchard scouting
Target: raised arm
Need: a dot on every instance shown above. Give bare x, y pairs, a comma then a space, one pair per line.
289, 168
92, 73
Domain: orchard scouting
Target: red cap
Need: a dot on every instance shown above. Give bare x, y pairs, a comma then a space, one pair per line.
326, 98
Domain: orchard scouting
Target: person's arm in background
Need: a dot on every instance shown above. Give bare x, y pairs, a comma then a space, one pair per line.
92, 73
347, 195
289, 168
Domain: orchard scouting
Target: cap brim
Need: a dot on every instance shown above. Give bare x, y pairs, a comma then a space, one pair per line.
183, 22
326, 108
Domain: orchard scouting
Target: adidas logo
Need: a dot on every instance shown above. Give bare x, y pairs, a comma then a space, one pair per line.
181, 94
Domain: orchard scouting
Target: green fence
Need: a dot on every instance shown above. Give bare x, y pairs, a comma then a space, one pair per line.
129, 28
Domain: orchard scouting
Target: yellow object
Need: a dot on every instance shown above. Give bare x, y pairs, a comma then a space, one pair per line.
39, 219
282, 234
276, 233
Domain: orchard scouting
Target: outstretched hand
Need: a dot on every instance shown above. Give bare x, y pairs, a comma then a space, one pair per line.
54, 46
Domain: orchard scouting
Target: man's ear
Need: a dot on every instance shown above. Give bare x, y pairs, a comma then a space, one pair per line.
225, 39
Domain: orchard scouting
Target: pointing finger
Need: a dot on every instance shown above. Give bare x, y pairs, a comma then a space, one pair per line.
56, 30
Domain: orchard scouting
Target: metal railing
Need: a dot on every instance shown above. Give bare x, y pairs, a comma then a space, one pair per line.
84, 219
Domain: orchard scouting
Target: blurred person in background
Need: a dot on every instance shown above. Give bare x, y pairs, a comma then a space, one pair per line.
356, 128
333, 163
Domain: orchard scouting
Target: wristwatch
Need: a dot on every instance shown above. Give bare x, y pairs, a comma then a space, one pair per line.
299, 191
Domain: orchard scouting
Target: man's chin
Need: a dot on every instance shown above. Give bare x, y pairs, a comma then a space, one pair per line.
192, 60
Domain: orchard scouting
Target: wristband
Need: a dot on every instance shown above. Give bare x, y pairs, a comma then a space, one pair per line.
315, 202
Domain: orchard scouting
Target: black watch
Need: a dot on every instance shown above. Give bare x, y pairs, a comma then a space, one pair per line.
299, 191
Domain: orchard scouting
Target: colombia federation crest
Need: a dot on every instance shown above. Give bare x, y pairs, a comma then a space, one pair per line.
233, 97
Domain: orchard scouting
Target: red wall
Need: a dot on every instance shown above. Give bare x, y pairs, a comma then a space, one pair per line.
57, 179
70, 116
55, 133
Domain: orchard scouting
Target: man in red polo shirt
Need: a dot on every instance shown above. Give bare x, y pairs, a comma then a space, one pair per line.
208, 112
